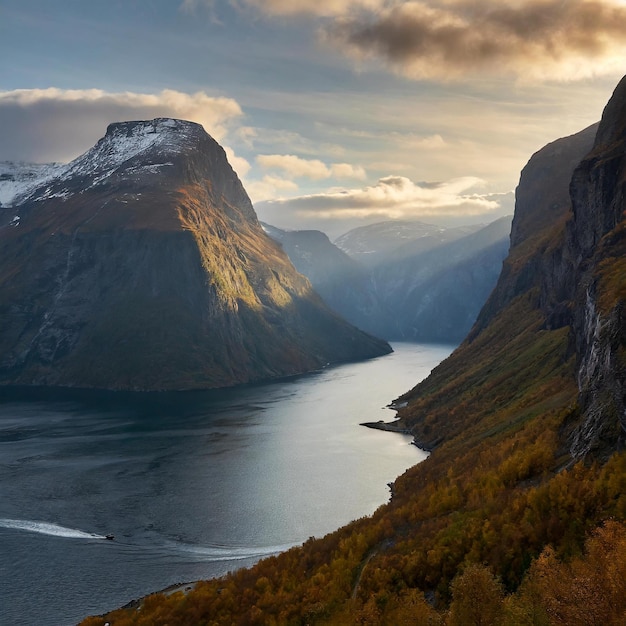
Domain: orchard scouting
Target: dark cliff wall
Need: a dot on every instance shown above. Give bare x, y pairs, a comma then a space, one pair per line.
596, 243
542, 208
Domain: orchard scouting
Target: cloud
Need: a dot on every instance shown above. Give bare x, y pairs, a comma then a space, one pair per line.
431, 142
406, 139
346, 170
454, 39
259, 138
297, 167
239, 164
269, 187
392, 197
294, 166
57, 125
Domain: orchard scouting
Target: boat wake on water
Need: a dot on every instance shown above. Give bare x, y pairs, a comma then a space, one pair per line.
226, 553
191, 552
46, 528
195, 552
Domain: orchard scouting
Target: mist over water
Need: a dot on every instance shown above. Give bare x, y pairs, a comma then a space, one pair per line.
192, 485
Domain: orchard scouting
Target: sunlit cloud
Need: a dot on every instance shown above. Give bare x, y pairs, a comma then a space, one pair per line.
408, 139
57, 125
347, 170
269, 187
314, 169
238, 163
260, 139
393, 197
456, 39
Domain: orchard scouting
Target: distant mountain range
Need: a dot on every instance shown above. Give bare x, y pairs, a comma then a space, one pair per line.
403, 280
395, 240
141, 265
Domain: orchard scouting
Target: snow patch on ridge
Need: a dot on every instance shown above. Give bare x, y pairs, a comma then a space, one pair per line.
18, 180
160, 138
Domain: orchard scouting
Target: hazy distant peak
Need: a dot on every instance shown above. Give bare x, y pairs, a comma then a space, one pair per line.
379, 242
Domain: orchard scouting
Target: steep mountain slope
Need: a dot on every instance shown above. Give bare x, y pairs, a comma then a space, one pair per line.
141, 265
343, 283
596, 244
517, 309
537, 385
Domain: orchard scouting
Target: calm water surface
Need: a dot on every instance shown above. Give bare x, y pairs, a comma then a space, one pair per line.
192, 485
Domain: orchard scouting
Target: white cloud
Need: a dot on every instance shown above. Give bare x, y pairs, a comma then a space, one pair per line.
393, 197
268, 187
57, 124
239, 164
430, 142
346, 170
314, 169
294, 166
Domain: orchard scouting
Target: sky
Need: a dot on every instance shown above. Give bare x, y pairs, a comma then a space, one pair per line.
334, 113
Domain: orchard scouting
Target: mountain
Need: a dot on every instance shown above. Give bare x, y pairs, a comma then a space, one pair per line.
343, 283
518, 516
142, 265
436, 294
397, 239
429, 286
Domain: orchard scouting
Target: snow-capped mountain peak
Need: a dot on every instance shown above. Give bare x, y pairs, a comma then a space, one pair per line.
127, 150
124, 141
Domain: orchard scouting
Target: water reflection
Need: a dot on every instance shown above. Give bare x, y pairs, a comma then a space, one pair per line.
190, 484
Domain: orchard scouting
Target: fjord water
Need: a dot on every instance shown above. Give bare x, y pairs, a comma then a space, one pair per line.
192, 484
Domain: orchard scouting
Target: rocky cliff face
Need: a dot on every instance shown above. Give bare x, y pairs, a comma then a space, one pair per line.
596, 244
560, 295
536, 262
344, 284
141, 265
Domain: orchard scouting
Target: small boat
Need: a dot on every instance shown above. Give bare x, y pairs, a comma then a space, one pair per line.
111, 537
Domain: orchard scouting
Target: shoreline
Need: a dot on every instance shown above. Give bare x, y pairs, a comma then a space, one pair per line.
397, 426
136, 603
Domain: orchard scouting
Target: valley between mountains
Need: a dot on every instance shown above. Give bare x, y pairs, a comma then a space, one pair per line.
517, 517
